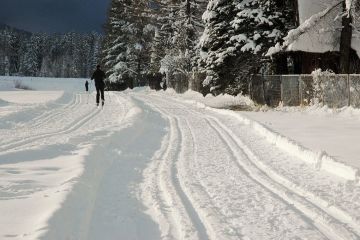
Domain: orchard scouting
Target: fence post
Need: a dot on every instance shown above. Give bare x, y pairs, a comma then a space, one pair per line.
299, 89
281, 89
249, 87
263, 87
349, 89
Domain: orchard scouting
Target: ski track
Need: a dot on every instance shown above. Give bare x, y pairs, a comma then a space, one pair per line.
212, 178
218, 207
63, 126
60, 121
324, 190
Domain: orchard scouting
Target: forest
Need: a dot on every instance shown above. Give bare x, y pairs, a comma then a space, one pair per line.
210, 46
69, 55
216, 45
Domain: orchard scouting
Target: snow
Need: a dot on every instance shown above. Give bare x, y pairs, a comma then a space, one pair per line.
200, 175
32, 190
46, 84
221, 101
348, 4
159, 165
318, 31
31, 97
318, 129
310, 132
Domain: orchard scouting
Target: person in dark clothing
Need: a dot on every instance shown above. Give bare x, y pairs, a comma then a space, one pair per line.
87, 86
99, 77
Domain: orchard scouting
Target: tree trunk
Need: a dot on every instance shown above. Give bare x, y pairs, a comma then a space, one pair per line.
345, 43
296, 15
297, 56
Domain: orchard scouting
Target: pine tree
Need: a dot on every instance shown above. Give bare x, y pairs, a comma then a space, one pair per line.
216, 52
48, 55
163, 19
125, 45
186, 28
236, 38
32, 59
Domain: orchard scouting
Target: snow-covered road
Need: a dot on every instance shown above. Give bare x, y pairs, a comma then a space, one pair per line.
149, 166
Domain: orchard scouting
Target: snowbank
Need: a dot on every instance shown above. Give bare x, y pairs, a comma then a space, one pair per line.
221, 101
320, 160
3, 103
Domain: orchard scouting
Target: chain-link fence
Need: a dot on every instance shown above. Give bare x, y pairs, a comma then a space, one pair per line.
266, 89
179, 82
293, 90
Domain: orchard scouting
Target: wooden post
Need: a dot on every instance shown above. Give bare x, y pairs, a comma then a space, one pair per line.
345, 43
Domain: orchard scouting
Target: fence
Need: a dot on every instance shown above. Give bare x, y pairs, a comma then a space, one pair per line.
179, 82
294, 90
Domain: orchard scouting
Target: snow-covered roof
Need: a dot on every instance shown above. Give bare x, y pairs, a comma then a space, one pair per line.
324, 28
319, 30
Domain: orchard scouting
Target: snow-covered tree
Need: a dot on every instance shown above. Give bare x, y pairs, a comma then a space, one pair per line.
32, 59
163, 20
236, 38
49, 55
127, 48
183, 33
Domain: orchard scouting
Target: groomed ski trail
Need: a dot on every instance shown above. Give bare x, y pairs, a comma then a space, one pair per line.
148, 166
44, 154
224, 189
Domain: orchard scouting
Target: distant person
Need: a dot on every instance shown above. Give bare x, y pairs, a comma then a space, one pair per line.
87, 86
99, 77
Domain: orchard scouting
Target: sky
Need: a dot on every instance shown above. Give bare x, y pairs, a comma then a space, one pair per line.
54, 15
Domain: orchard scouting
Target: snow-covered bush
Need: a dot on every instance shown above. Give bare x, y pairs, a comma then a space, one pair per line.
320, 79
19, 85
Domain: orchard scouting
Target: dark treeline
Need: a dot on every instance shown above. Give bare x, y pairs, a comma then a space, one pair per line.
48, 55
223, 41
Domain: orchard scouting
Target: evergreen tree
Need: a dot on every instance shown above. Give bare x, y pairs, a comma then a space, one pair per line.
183, 28
162, 44
48, 55
127, 43
237, 36
31, 64
216, 52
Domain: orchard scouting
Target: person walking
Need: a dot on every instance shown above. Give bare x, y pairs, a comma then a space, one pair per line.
99, 77
87, 86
